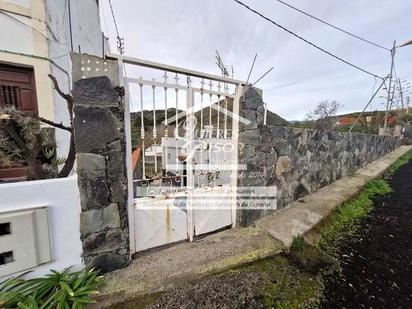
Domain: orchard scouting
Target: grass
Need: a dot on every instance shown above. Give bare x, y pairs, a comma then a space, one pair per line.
298, 243
283, 285
399, 163
346, 219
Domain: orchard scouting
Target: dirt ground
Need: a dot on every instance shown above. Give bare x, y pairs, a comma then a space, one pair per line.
263, 284
377, 268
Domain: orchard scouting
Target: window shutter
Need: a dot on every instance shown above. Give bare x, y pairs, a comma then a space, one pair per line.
17, 88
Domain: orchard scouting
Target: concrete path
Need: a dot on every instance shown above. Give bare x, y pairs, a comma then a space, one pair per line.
169, 268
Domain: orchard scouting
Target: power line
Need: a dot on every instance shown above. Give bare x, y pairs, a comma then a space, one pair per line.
306, 41
114, 18
30, 27
120, 40
20, 14
334, 27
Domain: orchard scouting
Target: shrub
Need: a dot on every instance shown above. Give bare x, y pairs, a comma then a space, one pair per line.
57, 290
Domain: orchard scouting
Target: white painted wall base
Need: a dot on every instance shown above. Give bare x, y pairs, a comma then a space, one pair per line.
61, 197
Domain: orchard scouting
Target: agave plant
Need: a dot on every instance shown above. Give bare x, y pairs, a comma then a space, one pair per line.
60, 290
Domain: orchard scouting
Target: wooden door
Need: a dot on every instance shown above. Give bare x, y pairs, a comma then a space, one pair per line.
18, 89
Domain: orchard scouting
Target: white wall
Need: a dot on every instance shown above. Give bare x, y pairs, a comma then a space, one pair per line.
61, 196
86, 36
23, 31
11, 29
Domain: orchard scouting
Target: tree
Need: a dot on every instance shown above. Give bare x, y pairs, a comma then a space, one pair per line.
323, 116
22, 140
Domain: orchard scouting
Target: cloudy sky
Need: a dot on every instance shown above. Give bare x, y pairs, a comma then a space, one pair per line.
187, 32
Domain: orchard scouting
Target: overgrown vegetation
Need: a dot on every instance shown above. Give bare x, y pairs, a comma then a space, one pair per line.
23, 142
346, 219
283, 285
57, 290
298, 243
296, 280
399, 163
358, 128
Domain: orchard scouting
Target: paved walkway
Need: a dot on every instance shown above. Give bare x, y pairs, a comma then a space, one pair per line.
161, 270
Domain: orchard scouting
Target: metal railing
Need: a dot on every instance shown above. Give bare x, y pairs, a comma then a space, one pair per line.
208, 120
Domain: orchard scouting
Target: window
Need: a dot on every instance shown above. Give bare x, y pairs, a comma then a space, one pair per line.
17, 88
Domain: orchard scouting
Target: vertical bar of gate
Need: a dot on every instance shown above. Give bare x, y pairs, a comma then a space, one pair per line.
129, 165
166, 132
177, 134
226, 89
189, 158
201, 135
218, 113
234, 160
210, 134
142, 133
154, 129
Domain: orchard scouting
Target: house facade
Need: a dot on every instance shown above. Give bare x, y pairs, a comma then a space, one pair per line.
37, 37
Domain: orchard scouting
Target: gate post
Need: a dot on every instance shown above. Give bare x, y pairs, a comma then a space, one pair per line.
99, 130
251, 107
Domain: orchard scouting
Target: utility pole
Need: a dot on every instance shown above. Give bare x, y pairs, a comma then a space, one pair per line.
366, 106
401, 92
389, 98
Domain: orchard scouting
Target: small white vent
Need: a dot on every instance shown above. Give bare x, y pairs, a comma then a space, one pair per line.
24, 240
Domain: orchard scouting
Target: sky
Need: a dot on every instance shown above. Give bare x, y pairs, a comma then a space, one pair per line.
186, 33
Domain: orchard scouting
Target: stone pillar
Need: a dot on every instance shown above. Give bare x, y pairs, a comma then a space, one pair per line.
101, 166
251, 152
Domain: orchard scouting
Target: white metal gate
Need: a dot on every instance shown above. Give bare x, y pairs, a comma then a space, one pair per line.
183, 147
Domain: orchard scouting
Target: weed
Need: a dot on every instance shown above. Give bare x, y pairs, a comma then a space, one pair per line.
283, 285
399, 163
346, 219
298, 243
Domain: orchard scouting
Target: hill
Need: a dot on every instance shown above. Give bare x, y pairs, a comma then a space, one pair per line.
273, 119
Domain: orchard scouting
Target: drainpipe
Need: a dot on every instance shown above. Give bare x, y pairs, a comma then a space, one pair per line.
70, 23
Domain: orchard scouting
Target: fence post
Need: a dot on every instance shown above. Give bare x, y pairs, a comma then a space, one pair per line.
100, 138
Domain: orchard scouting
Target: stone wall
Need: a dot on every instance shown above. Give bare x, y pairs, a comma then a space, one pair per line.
298, 161
101, 168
